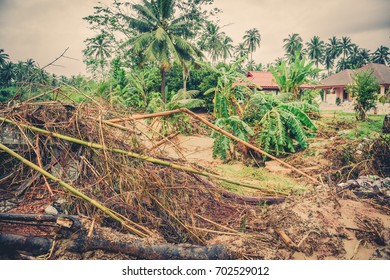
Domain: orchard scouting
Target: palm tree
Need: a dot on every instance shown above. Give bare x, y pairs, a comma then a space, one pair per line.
365, 56
20, 71
226, 48
381, 55
346, 46
342, 64
99, 48
252, 40
241, 50
334, 47
7, 73
259, 67
355, 59
212, 41
41, 76
3, 57
315, 49
328, 59
251, 65
292, 44
162, 35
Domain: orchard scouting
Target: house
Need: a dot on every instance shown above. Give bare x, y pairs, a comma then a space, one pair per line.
335, 85
265, 81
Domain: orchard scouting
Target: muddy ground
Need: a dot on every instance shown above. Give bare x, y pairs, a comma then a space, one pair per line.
316, 221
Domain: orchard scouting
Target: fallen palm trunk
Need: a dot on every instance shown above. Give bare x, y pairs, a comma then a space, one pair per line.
143, 251
134, 228
141, 157
32, 244
220, 130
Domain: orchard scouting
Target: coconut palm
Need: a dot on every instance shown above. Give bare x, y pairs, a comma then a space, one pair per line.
250, 66
334, 47
292, 44
315, 49
355, 59
259, 67
99, 48
252, 40
7, 73
328, 59
3, 57
212, 41
162, 35
365, 56
20, 71
241, 50
226, 48
381, 55
346, 46
342, 64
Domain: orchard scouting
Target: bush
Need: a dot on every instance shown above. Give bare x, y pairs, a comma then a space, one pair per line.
364, 89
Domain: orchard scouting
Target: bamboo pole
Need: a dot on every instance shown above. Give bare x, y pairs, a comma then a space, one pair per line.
79, 194
148, 116
141, 157
166, 139
220, 130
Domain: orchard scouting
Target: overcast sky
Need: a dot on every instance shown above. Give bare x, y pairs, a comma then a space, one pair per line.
42, 29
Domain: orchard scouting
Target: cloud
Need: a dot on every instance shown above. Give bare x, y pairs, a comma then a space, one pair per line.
42, 29
276, 19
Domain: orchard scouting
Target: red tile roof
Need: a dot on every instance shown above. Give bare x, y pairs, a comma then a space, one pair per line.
264, 80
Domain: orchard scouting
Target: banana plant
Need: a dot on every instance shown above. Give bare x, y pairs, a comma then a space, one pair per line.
228, 100
222, 144
290, 77
281, 126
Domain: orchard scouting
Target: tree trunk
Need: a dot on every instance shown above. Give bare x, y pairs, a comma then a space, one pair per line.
32, 244
144, 251
185, 77
163, 82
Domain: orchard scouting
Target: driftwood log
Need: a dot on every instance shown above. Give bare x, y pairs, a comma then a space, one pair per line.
143, 251
79, 242
31, 244
35, 246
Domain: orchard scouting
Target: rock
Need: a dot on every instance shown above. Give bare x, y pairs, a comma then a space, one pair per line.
51, 210
61, 205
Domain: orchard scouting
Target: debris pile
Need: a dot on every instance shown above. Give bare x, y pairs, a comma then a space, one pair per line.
370, 187
81, 187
